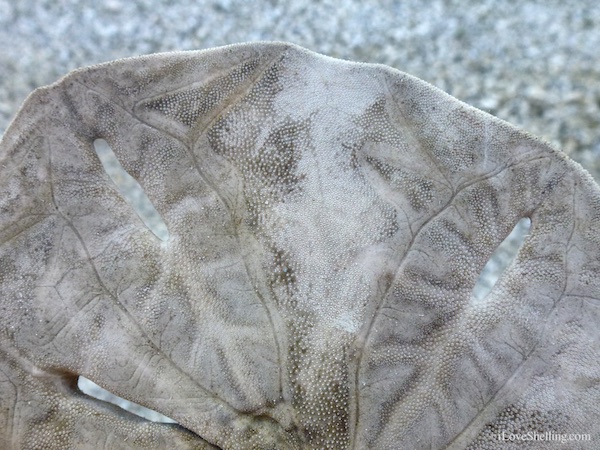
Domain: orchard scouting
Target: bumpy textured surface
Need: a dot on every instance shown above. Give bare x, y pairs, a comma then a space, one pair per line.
327, 223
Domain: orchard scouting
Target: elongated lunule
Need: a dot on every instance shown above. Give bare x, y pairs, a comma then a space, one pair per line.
90, 388
501, 259
131, 190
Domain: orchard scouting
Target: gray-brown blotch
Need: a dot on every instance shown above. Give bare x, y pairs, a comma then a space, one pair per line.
327, 223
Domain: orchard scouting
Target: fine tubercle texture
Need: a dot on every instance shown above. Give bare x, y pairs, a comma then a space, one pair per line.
327, 222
